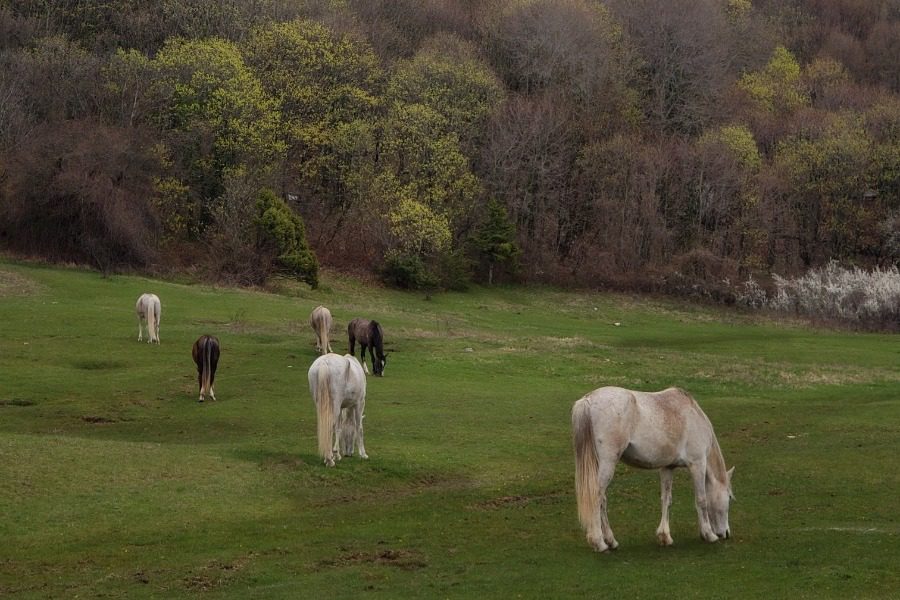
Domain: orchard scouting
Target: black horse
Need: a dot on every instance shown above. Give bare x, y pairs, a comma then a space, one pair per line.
206, 355
369, 335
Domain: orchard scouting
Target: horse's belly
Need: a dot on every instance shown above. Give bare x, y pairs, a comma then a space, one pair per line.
643, 459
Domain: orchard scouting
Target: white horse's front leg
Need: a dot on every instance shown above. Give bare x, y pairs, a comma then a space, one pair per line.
698, 475
665, 482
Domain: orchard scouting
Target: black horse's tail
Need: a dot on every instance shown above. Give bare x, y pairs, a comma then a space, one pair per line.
206, 355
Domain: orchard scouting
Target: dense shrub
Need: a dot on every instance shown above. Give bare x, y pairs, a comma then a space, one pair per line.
281, 232
81, 192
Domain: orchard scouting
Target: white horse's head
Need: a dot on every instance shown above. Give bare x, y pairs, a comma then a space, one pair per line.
720, 496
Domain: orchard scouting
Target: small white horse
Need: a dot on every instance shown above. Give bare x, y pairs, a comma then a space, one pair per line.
338, 387
658, 430
320, 321
148, 309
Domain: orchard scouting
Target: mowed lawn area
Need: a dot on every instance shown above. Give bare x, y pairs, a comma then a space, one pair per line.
116, 482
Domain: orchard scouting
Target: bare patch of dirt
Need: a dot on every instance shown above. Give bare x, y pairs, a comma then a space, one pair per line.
97, 420
16, 402
401, 559
216, 573
287, 463
517, 501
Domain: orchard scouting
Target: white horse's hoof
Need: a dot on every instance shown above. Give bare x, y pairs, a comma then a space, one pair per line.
365, 456
613, 544
598, 544
329, 462
664, 539
710, 537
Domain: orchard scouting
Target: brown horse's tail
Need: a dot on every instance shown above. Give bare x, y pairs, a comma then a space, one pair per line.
324, 410
587, 481
206, 378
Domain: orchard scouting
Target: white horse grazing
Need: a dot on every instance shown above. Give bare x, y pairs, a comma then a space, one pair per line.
658, 430
338, 387
148, 309
320, 321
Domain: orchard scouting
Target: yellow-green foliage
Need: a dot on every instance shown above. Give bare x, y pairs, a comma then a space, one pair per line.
833, 170
418, 229
213, 93
447, 77
777, 87
316, 74
739, 140
421, 159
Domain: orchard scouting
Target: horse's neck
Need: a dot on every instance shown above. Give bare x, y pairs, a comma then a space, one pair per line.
715, 462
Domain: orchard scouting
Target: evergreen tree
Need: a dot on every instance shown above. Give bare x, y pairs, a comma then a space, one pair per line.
495, 240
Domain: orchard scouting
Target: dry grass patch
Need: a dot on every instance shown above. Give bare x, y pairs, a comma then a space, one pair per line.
13, 284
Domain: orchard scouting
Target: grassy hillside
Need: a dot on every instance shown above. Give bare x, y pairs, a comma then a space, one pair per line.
114, 481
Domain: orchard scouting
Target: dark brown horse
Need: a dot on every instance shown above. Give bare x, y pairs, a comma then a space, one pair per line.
369, 335
206, 355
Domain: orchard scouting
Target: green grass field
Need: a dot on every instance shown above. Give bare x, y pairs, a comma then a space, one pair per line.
116, 482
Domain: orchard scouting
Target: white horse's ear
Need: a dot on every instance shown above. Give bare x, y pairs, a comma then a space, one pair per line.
729, 473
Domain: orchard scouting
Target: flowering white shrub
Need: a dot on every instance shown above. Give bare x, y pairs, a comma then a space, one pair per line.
751, 294
836, 292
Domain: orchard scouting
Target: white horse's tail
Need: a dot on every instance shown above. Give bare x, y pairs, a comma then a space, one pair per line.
151, 320
324, 410
587, 481
322, 326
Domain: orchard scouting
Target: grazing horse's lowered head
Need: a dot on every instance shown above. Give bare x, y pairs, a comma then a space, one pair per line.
648, 430
370, 335
320, 321
206, 356
148, 309
338, 387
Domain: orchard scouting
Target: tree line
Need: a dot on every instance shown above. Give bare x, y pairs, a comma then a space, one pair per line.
657, 144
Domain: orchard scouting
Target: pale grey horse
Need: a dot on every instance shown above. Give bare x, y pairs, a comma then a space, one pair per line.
649, 430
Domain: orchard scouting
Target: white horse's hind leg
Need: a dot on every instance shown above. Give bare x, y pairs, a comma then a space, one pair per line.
336, 449
359, 433
140, 329
600, 534
665, 481
698, 475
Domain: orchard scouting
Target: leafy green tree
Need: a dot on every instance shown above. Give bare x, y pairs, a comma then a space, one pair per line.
217, 120
447, 77
829, 173
495, 239
282, 233
421, 158
777, 87
328, 87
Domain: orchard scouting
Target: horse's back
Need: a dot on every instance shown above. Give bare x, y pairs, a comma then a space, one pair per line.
358, 327
203, 344
346, 376
144, 301
652, 429
320, 313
